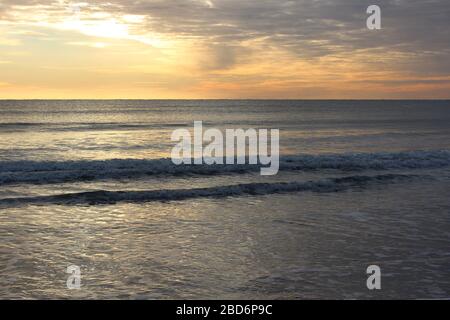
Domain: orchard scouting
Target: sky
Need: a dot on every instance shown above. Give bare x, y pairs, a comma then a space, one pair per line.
226, 49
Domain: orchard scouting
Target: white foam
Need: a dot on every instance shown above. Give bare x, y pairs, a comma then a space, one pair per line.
12, 172
110, 197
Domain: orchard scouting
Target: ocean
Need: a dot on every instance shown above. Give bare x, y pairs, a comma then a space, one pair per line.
90, 183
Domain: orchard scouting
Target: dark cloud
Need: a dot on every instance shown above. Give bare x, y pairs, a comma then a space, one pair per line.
309, 28
337, 22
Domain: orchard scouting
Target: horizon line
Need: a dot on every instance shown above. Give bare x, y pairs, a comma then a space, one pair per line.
222, 99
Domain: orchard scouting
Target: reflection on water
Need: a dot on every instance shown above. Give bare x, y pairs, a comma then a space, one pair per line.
313, 243
282, 246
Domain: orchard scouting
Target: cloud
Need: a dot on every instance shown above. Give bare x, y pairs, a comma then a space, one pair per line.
309, 28
227, 34
337, 23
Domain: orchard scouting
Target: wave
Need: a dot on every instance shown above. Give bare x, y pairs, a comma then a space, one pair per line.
84, 126
252, 189
47, 172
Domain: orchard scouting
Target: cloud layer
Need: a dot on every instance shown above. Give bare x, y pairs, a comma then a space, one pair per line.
234, 43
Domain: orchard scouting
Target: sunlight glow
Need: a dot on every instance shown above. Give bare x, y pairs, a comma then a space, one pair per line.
105, 29
49, 49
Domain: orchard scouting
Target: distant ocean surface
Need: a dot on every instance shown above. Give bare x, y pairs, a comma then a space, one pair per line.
90, 183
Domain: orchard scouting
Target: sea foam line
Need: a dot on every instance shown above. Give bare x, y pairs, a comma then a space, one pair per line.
44, 172
252, 189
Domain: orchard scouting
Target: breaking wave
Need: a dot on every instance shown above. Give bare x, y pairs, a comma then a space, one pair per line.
45, 172
253, 189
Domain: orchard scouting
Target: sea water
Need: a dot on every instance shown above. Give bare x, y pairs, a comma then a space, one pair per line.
91, 184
